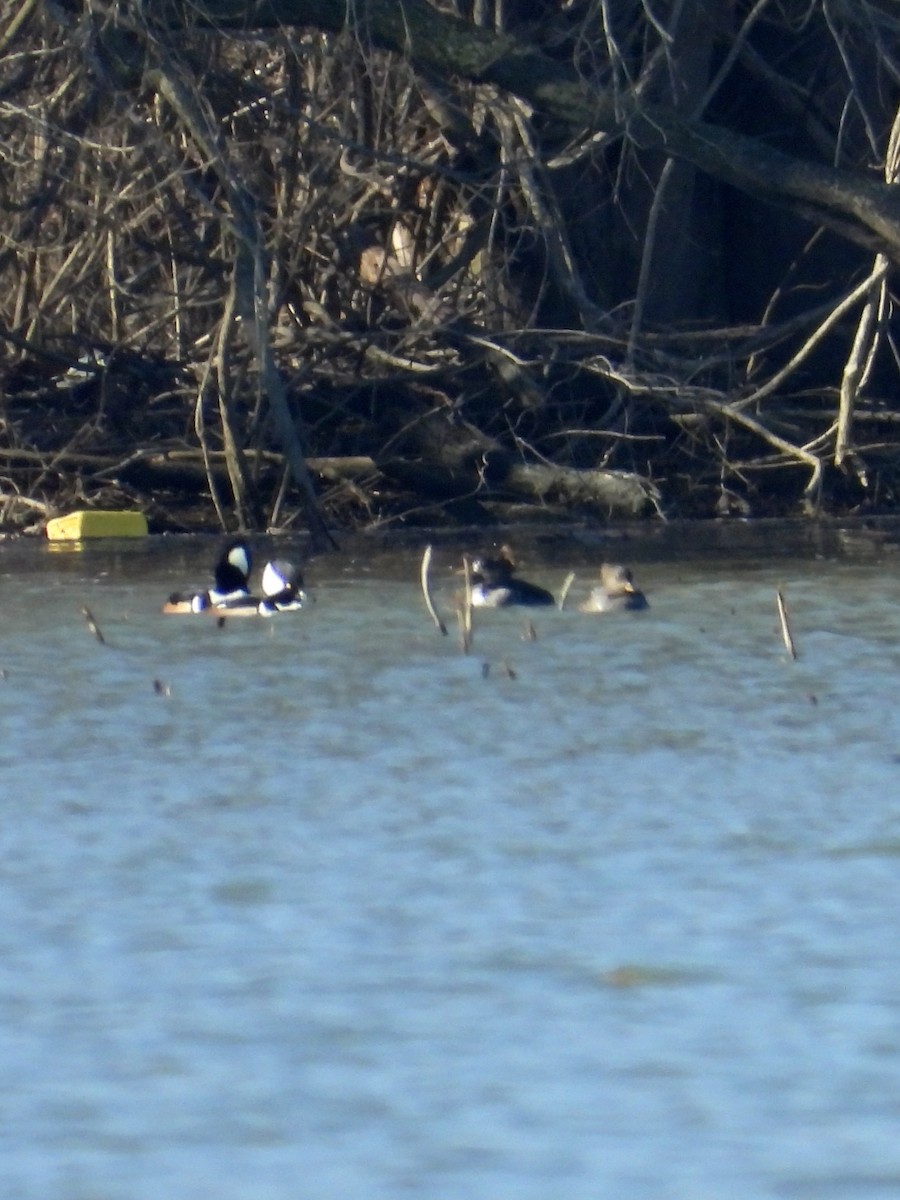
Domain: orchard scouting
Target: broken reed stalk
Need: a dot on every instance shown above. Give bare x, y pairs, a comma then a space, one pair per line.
467, 609
93, 626
426, 592
785, 626
465, 635
567, 583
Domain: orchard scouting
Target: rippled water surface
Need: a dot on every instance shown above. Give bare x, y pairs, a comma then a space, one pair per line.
321, 907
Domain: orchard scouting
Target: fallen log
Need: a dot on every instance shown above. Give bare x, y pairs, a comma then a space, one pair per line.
615, 493
620, 493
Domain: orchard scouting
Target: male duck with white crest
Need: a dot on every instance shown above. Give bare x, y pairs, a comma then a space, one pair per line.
496, 585
231, 576
230, 595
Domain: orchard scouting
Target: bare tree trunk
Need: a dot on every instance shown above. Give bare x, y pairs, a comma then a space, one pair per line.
682, 235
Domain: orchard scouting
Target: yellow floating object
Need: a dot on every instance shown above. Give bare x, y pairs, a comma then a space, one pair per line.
96, 523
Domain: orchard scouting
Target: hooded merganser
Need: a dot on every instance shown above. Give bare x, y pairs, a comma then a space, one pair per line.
230, 584
282, 592
616, 592
282, 586
494, 584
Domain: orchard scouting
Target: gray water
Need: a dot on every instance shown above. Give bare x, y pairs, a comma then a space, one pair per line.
322, 907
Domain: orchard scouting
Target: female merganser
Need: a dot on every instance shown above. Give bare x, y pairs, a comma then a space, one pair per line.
230, 584
494, 584
616, 592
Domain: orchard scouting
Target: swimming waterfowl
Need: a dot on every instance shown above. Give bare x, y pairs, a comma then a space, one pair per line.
231, 576
616, 592
230, 595
494, 584
282, 586
282, 592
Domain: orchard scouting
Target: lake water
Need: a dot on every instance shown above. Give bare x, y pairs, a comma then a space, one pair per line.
321, 907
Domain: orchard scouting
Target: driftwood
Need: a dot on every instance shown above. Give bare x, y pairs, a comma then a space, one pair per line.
618, 492
614, 492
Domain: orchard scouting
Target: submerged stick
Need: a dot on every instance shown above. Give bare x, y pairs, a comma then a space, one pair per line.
567, 583
426, 592
785, 626
93, 626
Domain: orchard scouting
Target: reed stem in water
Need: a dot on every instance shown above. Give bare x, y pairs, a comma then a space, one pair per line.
93, 626
567, 583
785, 625
426, 592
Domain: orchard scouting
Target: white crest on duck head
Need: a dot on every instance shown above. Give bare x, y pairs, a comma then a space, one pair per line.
239, 556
